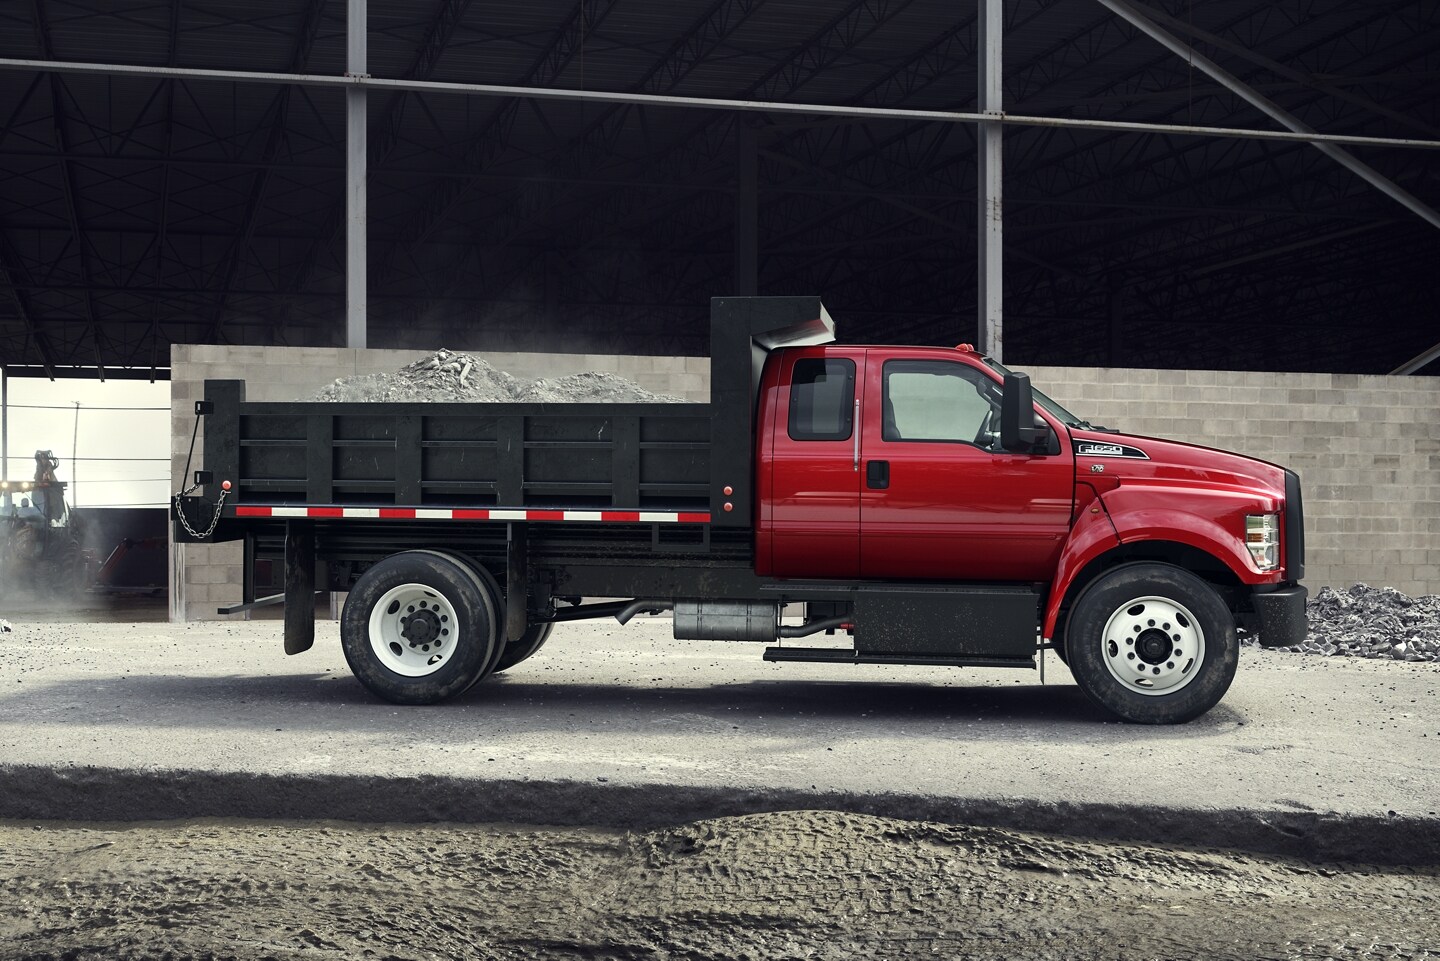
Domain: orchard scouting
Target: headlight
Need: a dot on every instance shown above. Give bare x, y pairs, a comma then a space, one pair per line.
1262, 537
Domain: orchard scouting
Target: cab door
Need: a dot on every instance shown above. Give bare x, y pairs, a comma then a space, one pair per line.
813, 505
940, 498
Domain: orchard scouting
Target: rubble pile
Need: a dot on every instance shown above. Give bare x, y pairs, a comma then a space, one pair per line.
449, 376
444, 376
1376, 622
592, 386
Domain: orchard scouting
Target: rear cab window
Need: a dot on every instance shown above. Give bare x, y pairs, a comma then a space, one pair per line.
822, 399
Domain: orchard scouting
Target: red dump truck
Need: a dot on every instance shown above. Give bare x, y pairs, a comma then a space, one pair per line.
921, 505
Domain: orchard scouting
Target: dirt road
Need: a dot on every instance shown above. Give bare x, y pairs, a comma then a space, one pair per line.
802, 885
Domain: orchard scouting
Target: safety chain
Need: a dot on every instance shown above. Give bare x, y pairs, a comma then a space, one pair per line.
224, 492
224, 487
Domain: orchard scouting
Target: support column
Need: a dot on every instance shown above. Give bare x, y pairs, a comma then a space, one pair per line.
989, 235
355, 175
5, 438
747, 211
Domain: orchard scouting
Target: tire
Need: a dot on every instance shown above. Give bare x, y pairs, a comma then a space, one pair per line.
418, 627
531, 641
487, 586
1152, 644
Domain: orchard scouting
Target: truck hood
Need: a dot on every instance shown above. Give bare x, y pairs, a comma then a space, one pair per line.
1134, 458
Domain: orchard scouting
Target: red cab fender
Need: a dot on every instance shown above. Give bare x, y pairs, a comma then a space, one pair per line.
1133, 514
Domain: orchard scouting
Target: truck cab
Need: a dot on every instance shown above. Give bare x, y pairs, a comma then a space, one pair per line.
893, 464
886, 462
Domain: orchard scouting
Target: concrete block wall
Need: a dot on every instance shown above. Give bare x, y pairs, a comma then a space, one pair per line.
1367, 449
205, 576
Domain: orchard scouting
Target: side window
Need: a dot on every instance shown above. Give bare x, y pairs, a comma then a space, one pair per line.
929, 400
822, 399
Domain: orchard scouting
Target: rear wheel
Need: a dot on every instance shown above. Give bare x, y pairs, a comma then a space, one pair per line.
418, 627
1152, 644
531, 641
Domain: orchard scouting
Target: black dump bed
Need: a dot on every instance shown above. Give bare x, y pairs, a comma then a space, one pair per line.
581, 457
595, 456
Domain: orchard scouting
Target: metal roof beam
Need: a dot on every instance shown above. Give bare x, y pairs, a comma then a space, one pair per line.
1219, 173
507, 91
274, 141
14, 272
1175, 157
1418, 361
822, 48
924, 68
59, 119
1127, 12
1173, 172
442, 26
716, 25
162, 227
20, 104
447, 18
1289, 73
492, 137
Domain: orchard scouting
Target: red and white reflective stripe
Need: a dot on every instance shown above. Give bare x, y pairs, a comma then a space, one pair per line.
475, 514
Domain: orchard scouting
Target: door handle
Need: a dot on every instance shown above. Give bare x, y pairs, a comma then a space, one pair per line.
877, 474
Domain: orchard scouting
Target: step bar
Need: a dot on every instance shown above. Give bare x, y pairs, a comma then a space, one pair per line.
830, 655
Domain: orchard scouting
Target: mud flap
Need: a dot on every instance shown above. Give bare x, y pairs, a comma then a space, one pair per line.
299, 587
516, 581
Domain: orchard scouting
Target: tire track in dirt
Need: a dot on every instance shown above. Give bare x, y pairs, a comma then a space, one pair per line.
801, 885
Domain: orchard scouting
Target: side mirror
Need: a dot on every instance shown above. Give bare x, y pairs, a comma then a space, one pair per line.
1017, 407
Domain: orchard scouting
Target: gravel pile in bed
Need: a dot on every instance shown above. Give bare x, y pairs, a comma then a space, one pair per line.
590, 387
449, 376
1377, 622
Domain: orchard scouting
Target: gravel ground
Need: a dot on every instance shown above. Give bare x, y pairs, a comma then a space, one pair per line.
448, 376
801, 885
1372, 622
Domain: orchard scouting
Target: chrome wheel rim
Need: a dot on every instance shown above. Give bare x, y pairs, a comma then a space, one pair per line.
413, 630
1153, 646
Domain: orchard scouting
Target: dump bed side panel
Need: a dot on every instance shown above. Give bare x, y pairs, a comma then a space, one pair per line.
577, 456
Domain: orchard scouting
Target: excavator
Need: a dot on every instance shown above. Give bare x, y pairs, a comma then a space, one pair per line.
41, 540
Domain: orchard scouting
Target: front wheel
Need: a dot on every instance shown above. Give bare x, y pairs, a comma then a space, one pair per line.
1152, 644
418, 627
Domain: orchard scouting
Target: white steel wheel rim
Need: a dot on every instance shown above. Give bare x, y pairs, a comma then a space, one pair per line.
413, 630
1153, 646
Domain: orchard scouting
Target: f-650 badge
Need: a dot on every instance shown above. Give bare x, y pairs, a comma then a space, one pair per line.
1109, 450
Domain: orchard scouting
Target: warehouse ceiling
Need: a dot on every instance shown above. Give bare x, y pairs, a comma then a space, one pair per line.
137, 212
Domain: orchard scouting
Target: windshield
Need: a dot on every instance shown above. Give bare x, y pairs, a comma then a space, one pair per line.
1055, 410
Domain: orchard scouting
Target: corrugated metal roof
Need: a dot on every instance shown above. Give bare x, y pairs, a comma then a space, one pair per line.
192, 210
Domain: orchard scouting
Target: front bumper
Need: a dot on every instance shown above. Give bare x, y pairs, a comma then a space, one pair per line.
1280, 616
